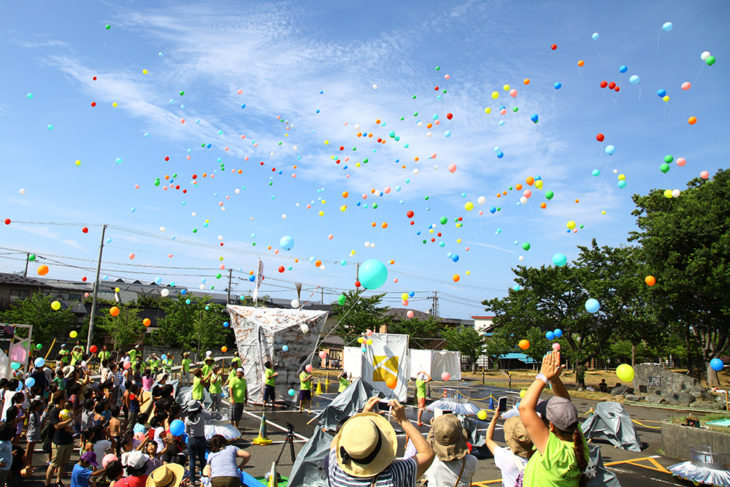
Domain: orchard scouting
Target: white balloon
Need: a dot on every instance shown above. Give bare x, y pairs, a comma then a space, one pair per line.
202, 286
208, 353
220, 237
676, 193
367, 244
481, 200
523, 200
165, 293
21, 191
304, 328
521, 258
375, 87
162, 229
283, 216
294, 303
415, 171
238, 191
705, 55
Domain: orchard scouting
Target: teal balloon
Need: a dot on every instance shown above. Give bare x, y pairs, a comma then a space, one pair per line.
373, 274
286, 242
634, 80
667, 26
559, 260
622, 184
592, 305
15, 365
596, 172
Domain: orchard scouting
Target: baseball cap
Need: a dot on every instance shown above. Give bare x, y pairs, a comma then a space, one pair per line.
559, 411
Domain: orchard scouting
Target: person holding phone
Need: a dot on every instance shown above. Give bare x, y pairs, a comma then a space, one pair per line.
511, 461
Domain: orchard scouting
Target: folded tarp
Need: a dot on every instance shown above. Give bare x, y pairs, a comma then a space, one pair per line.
611, 423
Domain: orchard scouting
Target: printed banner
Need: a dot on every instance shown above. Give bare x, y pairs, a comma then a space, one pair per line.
387, 358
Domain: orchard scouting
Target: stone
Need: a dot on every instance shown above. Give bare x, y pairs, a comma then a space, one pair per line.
655, 399
634, 397
681, 398
714, 405
655, 380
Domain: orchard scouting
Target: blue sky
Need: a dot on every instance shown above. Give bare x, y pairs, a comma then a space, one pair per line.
312, 75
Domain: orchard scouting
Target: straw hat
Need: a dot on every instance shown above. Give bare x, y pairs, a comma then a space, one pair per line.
168, 475
448, 438
516, 437
365, 445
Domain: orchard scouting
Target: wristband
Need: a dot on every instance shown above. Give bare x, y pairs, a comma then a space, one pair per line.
542, 378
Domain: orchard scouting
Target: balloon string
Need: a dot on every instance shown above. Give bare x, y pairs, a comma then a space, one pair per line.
595, 46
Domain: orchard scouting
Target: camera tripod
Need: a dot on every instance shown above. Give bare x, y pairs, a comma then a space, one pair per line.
290, 441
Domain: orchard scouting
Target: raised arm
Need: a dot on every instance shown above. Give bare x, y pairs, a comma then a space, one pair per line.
534, 425
491, 444
424, 452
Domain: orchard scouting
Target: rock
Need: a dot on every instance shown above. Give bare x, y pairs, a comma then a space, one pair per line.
656, 380
634, 397
620, 390
708, 405
654, 399
680, 398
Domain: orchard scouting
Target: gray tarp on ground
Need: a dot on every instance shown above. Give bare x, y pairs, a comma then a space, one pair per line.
597, 474
610, 422
308, 467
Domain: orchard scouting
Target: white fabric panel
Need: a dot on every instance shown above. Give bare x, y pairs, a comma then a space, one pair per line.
388, 356
446, 361
420, 361
353, 361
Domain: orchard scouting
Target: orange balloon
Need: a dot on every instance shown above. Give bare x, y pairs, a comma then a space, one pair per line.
146, 322
543, 205
42, 270
114, 311
518, 187
692, 120
317, 263
456, 277
524, 344
530, 180
224, 349
650, 280
345, 194
581, 63
391, 383
526, 82
384, 225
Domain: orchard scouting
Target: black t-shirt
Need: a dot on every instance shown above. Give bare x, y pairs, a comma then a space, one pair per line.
60, 436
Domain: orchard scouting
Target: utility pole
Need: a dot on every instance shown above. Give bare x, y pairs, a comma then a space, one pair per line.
435, 304
357, 271
27, 258
321, 300
96, 290
230, 276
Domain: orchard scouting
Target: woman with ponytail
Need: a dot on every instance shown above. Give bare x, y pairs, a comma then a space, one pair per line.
562, 454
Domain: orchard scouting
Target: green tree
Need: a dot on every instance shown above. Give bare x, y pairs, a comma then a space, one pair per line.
424, 334
465, 340
194, 325
497, 345
125, 329
359, 313
686, 245
47, 323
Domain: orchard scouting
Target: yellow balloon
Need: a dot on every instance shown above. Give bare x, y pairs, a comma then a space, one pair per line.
404, 296
625, 373
570, 224
495, 95
522, 393
73, 334
116, 289
55, 306
482, 414
622, 177
666, 98
538, 184
144, 71
487, 110
667, 193
469, 206
369, 341
505, 87
360, 340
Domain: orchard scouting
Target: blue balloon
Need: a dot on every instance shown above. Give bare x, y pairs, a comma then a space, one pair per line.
455, 257
558, 85
592, 305
558, 332
716, 364
285, 348
610, 150
492, 209
372, 274
559, 260
623, 68
139, 428
661, 93
30, 382
534, 117
667, 26
163, 356
634, 80
595, 36
286, 242
177, 428
226, 324
550, 335
39, 362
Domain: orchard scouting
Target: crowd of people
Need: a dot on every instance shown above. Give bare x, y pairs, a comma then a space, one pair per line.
125, 426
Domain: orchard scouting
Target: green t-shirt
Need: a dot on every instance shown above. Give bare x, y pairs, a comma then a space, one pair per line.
215, 387
344, 384
556, 467
153, 365
186, 364
60, 383
76, 357
421, 389
305, 383
270, 377
236, 362
105, 355
132, 354
198, 389
206, 369
64, 356
238, 388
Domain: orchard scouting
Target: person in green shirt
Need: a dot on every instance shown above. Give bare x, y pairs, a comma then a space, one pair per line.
167, 364
236, 361
65, 357
76, 355
305, 388
238, 395
344, 382
216, 387
422, 378
269, 385
185, 368
199, 384
153, 362
562, 453
208, 366
104, 354
133, 353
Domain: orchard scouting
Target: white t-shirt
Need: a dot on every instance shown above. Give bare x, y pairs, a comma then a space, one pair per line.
445, 473
509, 464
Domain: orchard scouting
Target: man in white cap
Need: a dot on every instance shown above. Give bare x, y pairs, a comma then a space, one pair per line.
363, 452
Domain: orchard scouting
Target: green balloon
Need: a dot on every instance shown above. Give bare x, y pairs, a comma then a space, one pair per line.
31, 257
107, 26
549, 195
664, 167
341, 299
526, 246
444, 220
710, 60
668, 158
39, 346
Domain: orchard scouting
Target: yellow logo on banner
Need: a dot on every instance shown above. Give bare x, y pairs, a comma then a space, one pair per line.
385, 368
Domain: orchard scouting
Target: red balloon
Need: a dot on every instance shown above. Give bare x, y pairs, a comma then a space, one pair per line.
85, 230
357, 284
617, 88
600, 137
611, 85
93, 103
449, 115
604, 84
410, 214
93, 349
7, 221
554, 46
281, 268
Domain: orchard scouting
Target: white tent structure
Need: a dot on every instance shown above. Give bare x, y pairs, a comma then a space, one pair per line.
263, 334
386, 358
435, 363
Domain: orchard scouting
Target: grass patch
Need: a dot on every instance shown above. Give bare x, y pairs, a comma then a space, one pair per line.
704, 419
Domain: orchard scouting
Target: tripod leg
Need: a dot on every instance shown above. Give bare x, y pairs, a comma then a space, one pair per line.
290, 439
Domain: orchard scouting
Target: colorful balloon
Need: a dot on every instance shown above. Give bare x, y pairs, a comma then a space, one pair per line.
445, 376
559, 260
114, 311
286, 242
650, 280
55, 305
592, 305
372, 274
717, 364
625, 373
524, 344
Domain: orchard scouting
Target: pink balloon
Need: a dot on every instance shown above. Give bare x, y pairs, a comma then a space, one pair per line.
322, 354
445, 376
127, 365
681, 161
308, 368
704, 174
513, 93
386, 190
452, 168
527, 193
686, 85
131, 256
503, 111
556, 347
410, 314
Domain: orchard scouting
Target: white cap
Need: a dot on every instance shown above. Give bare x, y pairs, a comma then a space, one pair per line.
208, 353
239, 370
